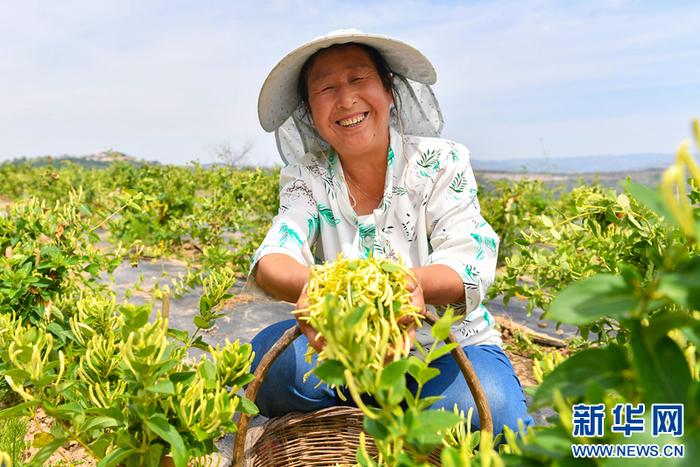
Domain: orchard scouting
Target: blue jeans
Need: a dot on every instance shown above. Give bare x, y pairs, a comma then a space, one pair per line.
284, 390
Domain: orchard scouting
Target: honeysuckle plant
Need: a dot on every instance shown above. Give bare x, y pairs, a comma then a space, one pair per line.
122, 386
655, 361
362, 310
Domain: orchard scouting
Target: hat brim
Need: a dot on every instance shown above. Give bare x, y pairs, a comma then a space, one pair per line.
279, 97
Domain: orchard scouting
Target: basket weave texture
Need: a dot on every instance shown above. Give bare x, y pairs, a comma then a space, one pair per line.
327, 437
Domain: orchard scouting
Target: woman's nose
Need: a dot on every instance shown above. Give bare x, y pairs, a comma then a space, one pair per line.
346, 97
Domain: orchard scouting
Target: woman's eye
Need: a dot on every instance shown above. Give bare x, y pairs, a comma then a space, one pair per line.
327, 88
356, 79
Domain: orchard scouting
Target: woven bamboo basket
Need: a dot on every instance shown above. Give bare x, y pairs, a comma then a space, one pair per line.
325, 437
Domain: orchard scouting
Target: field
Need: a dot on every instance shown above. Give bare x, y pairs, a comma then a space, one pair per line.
124, 320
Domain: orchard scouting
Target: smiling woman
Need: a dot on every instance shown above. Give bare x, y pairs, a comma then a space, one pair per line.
371, 176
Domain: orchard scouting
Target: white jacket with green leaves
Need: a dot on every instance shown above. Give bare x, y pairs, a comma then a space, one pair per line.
429, 215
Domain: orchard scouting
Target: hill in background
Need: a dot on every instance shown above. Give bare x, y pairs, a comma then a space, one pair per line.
99, 160
577, 165
651, 178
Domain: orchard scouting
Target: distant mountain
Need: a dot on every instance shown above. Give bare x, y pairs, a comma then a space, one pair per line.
98, 160
579, 164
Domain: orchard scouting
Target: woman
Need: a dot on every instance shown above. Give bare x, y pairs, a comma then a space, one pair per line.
370, 175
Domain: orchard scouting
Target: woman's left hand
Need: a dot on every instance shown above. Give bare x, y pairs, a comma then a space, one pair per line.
417, 299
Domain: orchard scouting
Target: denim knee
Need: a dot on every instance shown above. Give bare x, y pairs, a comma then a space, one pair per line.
283, 389
503, 391
498, 381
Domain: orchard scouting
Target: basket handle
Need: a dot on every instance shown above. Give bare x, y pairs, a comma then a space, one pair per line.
482, 404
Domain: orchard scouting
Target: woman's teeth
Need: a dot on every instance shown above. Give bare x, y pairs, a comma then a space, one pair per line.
354, 121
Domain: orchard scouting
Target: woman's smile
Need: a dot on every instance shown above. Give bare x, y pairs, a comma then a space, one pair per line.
353, 121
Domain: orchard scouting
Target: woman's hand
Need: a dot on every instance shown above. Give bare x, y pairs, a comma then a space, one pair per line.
413, 285
417, 299
311, 334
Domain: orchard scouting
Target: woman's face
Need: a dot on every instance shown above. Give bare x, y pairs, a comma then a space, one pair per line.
349, 105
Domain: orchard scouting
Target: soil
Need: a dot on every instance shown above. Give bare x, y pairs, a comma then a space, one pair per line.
523, 368
38, 434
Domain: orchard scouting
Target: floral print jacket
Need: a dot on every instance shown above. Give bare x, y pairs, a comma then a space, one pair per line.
429, 215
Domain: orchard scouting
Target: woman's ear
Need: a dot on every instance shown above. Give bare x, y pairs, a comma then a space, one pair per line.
390, 75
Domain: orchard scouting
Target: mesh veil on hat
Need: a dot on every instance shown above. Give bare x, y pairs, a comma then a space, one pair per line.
280, 108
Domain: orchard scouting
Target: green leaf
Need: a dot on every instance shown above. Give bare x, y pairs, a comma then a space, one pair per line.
604, 367
661, 323
441, 329
57, 330
99, 423
375, 428
426, 401
331, 372
179, 335
451, 457
162, 387
390, 267
208, 371
392, 373
425, 427
136, 317
631, 275
243, 380
442, 350
47, 451
355, 316
153, 455
426, 374
662, 370
652, 199
42, 438
248, 407
435, 420
553, 443
586, 301
203, 323
99, 446
683, 286
185, 377
201, 344
17, 410
415, 365
159, 425
116, 457
126, 440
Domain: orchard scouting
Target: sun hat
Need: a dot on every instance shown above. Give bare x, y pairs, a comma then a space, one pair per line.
279, 97
280, 108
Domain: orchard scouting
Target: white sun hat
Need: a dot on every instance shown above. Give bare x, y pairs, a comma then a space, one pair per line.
280, 108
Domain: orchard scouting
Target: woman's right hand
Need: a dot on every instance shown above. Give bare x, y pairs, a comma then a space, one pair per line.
311, 334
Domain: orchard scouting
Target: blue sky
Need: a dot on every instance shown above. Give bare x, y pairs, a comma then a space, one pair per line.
170, 80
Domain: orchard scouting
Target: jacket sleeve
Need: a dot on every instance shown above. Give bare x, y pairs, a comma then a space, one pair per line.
459, 236
295, 227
